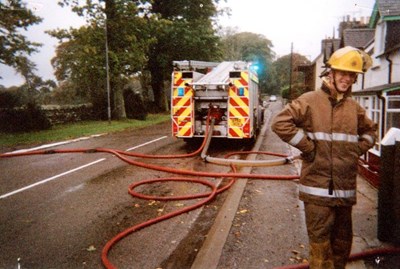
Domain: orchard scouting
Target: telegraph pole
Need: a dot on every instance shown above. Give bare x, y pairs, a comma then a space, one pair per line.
108, 77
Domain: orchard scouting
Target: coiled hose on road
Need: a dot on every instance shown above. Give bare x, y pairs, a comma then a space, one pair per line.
214, 190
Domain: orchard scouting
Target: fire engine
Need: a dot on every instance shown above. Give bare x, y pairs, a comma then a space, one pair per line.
227, 91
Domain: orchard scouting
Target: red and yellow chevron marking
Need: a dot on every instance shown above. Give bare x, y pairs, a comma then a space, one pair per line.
181, 101
182, 126
182, 107
183, 119
187, 91
238, 108
241, 131
235, 127
178, 80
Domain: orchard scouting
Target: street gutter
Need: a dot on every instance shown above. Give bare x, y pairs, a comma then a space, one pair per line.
210, 253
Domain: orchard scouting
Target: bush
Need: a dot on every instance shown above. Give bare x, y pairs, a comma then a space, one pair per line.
24, 119
9, 99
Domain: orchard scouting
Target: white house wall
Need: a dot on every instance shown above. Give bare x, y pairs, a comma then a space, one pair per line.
379, 73
319, 63
396, 67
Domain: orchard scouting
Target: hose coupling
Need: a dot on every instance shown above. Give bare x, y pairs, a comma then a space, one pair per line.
289, 159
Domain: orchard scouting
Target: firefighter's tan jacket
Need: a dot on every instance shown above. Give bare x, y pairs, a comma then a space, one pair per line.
339, 132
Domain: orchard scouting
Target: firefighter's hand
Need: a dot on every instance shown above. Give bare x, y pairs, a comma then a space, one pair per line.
309, 156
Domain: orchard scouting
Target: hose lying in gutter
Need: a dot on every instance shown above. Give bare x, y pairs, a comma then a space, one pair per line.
237, 162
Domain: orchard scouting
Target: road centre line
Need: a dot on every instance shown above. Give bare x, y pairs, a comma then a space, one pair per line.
50, 179
71, 171
54, 144
144, 144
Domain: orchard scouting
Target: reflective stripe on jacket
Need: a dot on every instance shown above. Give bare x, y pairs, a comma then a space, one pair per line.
338, 132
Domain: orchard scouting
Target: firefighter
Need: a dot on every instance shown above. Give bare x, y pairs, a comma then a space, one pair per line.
332, 131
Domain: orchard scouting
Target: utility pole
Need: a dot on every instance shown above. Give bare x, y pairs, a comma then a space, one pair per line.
108, 77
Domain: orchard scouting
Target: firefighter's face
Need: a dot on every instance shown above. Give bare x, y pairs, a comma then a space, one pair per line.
344, 80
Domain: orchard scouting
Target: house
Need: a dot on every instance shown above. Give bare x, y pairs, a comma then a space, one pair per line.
378, 90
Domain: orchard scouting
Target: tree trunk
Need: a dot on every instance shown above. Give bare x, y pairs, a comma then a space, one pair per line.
119, 103
160, 99
118, 110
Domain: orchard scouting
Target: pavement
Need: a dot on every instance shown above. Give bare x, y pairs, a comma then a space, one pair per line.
261, 224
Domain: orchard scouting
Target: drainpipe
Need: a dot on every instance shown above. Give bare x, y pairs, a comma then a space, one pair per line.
363, 81
383, 115
390, 68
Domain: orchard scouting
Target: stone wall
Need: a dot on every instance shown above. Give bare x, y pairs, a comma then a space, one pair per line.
71, 113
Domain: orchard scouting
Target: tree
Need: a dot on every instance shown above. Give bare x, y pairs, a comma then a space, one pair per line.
80, 64
249, 47
81, 54
14, 46
282, 69
185, 32
142, 36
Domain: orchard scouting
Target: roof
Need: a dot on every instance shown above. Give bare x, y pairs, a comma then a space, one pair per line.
358, 37
220, 74
328, 46
387, 10
378, 89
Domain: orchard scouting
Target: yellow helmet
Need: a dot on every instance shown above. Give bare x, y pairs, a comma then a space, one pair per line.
350, 59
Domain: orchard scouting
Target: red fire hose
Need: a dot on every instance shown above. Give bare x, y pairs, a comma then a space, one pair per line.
124, 156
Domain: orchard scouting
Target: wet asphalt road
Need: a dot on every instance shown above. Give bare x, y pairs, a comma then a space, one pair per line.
66, 221
60, 210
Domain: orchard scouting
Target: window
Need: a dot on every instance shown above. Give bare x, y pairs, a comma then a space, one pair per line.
372, 106
393, 112
379, 43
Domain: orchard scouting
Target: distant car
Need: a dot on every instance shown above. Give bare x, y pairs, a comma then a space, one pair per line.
272, 98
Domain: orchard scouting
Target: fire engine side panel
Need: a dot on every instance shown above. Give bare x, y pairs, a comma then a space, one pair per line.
182, 107
254, 103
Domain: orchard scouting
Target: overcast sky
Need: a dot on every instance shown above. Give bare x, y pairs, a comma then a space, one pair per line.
301, 22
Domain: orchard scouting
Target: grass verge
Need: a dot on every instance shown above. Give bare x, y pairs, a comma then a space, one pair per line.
75, 130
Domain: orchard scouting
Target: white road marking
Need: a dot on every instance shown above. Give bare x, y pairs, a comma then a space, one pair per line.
50, 179
144, 144
53, 144
70, 171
